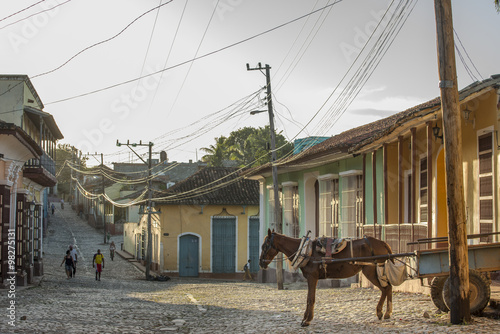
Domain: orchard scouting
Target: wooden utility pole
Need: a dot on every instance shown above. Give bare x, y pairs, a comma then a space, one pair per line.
457, 232
277, 206
103, 199
102, 193
149, 208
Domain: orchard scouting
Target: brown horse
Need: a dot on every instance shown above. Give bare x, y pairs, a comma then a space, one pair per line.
312, 271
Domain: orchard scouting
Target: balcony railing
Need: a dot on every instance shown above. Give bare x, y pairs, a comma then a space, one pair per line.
45, 161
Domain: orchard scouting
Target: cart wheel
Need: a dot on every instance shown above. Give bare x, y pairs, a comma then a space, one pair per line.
437, 292
479, 292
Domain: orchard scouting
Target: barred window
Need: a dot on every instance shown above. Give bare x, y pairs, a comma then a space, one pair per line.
352, 206
272, 222
485, 150
329, 205
423, 191
291, 209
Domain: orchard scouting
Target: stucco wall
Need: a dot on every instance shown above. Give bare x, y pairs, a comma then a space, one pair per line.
177, 220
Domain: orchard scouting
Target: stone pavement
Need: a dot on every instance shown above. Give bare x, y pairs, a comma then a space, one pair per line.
124, 302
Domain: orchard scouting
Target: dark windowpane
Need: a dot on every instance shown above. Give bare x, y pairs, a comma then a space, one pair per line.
486, 209
423, 180
485, 163
485, 186
486, 228
423, 164
485, 142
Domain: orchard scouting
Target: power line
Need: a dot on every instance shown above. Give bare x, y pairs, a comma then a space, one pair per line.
193, 59
20, 11
27, 17
191, 64
149, 43
101, 42
463, 61
169, 52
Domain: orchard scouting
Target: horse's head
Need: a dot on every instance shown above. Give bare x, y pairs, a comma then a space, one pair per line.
269, 251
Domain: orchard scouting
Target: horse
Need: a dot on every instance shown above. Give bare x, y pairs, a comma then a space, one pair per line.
313, 271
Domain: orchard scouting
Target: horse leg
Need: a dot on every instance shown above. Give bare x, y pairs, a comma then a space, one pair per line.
388, 311
311, 298
371, 273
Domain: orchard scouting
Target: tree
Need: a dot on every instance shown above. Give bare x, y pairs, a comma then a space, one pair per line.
247, 146
64, 154
497, 5
216, 153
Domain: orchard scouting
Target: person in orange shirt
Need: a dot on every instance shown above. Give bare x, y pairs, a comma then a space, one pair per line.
98, 264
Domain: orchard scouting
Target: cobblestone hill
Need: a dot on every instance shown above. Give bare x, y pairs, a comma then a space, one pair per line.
123, 302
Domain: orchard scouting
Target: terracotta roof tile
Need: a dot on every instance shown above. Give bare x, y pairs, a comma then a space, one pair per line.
352, 139
214, 186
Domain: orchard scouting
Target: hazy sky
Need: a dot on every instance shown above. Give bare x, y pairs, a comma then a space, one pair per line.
186, 104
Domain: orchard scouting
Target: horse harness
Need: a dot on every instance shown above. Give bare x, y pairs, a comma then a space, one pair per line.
328, 253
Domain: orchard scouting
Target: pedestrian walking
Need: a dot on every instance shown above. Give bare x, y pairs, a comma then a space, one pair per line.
246, 268
68, 260
112, 248
98, 264
62, 204
53, 208
74, 256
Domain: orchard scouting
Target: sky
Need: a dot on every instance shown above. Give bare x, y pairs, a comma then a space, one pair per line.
176, 75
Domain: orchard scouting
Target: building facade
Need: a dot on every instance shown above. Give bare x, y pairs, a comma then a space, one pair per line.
28, 137
204, 226
387, 179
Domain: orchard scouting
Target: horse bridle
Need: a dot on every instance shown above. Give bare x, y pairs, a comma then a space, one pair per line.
270, 245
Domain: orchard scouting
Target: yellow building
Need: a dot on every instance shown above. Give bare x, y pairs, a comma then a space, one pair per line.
206, 225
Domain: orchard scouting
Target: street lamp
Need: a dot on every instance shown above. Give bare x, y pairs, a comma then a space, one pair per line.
32, 206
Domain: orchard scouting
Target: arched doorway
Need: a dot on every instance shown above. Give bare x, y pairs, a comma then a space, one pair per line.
188, 255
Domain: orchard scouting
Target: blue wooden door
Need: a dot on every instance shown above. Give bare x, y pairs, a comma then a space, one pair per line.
223, 245
188, 256
254, 243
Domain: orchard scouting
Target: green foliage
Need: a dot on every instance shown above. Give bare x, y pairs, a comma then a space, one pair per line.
247, 146
63, 154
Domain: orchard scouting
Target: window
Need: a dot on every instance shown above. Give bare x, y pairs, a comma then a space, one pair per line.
291, 209
352, 205
272, 222
328, 205
423, 191
485, 151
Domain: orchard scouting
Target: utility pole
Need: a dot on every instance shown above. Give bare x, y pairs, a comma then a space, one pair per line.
149, 251
103, 193
103, 199
452, 132
277, 207
71, 177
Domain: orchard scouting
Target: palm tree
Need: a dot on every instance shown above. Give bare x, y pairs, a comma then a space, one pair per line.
216, 153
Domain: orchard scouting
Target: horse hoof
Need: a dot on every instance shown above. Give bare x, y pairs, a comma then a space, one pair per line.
304, 324
379, 316
387, 316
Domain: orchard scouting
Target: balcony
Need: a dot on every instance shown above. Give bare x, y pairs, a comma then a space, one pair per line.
41, 171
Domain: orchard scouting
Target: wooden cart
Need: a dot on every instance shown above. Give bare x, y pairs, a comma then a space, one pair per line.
434, 264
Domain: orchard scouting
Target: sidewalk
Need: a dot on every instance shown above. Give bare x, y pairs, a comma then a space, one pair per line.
130, 258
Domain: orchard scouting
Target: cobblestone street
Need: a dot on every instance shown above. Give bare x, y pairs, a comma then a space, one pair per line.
123, 302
